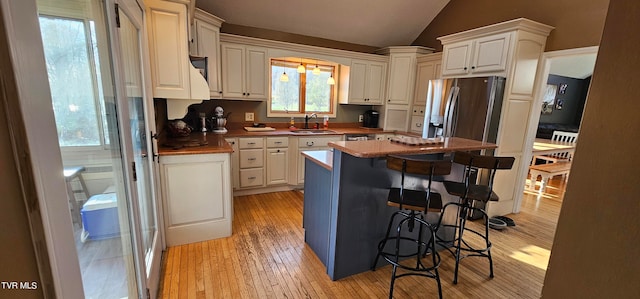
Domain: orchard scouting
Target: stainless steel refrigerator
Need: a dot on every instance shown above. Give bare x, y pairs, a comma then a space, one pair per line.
464, 107
468, 108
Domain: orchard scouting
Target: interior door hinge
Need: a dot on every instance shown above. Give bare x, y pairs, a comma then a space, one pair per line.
117, 16
133, 168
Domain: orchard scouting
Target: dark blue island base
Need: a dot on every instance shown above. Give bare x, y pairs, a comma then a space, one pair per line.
345, 201
346, 213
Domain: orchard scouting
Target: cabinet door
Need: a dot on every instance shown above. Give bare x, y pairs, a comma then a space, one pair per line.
396, 118
456, 58
233, 69
277, 166
357, 85
401, 79
256, 73
426, 71
168, 49
490, 53
207, 45
376, 80
197, 197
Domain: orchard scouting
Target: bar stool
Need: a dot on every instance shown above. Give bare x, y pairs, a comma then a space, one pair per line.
471, 194
412, 208
70, 174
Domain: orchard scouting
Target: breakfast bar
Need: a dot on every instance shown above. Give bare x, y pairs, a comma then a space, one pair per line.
345, 210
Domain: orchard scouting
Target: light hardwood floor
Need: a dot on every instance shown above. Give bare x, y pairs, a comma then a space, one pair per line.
266, 257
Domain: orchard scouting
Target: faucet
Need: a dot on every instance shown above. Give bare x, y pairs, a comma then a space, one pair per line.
306, 119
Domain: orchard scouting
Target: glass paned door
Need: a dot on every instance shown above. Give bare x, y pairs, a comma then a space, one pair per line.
129, 33
96, 76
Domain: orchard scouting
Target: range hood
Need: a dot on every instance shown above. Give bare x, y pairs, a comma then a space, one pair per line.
199, 90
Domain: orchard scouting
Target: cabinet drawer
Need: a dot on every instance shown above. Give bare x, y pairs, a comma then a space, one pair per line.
251, 142
277, 142
251, 158
312, 142
251, 177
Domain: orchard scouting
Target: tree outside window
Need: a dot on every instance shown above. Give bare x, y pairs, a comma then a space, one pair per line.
303, 92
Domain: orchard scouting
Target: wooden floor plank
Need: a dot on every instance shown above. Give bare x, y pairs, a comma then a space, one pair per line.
266, 257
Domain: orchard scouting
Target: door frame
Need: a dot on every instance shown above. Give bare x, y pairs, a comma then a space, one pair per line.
41, 153
541, 82
152, 272
34, 98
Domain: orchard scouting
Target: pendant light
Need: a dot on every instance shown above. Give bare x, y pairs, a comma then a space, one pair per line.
331, 81
284, 77
301, 68
316, 70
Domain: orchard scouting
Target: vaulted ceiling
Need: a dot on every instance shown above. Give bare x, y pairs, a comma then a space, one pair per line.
377, 23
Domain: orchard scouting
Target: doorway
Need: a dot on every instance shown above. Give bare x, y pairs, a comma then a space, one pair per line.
93, 53
567, 73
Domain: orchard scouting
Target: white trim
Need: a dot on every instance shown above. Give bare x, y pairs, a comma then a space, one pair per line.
534, 117
27, 55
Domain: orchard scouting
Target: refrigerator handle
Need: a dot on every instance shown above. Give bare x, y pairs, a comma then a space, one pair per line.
449, 121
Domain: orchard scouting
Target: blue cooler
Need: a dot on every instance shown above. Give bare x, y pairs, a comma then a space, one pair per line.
100, 217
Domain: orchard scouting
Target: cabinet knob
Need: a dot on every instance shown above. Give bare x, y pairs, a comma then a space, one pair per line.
278, 151
220, 92
473, 67
389, 100
252, 178
244, 93
251, 159
465, 68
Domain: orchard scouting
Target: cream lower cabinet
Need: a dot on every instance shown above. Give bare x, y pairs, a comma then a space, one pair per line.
277, 160
196, 196
235, 162
312, 144
251, 162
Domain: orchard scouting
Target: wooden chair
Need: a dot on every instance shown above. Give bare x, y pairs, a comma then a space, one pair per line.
560, 136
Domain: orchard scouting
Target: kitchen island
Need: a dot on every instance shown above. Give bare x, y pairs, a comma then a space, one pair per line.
345, 208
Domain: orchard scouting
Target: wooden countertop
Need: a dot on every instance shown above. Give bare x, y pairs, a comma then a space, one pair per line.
196, 143
381, 148
215, 143
323, 158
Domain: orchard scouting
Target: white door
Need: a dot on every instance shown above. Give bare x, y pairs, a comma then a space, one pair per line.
99, 97
147, 237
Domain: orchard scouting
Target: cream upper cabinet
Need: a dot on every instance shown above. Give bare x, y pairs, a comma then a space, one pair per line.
206, 43
401, 77
429, 68
400, 85
510, 49
172, 75
367, 80
244, 72
487, 55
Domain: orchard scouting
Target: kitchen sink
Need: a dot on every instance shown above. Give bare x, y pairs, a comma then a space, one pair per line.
313, 131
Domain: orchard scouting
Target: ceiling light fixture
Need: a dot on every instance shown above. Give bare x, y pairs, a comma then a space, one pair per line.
316, 70
331, 81
284, 77
301, 68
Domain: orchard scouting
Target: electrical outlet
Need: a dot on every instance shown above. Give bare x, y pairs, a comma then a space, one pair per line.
248, 116
360, 118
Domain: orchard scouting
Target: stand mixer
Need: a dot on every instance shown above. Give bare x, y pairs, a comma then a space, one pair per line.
219, 121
